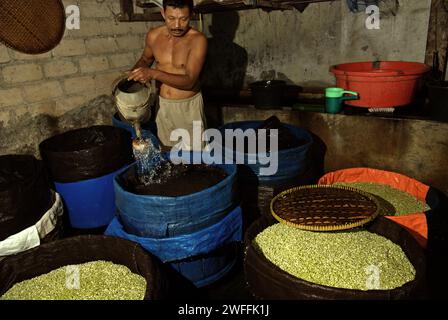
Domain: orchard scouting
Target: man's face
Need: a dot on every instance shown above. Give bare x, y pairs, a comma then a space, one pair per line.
177, 20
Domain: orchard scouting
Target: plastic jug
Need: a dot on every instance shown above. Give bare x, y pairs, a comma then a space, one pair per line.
334, 98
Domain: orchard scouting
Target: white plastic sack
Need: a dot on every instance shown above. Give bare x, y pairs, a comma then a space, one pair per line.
30, 237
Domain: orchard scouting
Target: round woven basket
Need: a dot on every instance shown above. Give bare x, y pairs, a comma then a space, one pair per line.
324, 207
31, 27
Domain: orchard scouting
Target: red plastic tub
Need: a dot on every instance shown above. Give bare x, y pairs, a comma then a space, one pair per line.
382, 84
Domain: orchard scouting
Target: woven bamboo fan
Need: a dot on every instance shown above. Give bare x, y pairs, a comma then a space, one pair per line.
31, 26
324, 207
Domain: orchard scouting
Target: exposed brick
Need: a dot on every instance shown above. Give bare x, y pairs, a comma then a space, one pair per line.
22, 73
131, 42
122, 60
104, 82
72, 102
22, 56
39, 108
93, 64
43, 91
110, 27
139, 28
79, 84
4, 56
10, 97
101, 45
87, 28
59, 68
93, 9
68, 48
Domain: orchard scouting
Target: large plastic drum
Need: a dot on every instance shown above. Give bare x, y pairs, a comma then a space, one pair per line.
267, 281
49, 228
163, 216
429, 228
82, 164
195, 234
25, 193
294, 167
83, 249
203, 256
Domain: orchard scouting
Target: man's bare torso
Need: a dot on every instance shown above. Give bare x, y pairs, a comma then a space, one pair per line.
171, 56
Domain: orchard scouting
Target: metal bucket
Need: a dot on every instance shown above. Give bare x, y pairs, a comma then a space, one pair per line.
133, 100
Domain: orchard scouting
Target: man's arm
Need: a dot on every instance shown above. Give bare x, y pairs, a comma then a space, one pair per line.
147, 57
185, 81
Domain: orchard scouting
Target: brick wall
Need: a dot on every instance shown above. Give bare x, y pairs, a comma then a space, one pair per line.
60, 82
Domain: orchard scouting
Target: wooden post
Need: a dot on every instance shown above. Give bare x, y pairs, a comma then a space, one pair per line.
437, 36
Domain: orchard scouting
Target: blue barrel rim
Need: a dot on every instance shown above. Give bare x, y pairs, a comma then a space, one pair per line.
280, 152
222, 183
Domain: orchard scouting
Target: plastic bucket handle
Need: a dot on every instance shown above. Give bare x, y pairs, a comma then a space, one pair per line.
338, 93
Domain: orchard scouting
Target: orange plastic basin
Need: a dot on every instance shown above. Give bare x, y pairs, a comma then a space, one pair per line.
384, 84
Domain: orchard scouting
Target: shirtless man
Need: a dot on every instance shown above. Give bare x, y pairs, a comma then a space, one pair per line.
179, 52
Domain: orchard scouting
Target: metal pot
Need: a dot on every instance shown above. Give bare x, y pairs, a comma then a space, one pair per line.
438, 97
269, 93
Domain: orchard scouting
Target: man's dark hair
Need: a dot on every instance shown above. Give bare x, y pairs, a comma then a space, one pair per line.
178, 4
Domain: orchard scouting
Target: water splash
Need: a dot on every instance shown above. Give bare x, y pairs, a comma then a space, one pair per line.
147, 158
151, 167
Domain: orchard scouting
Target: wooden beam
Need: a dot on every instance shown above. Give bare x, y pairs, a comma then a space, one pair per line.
437, 41
127, 10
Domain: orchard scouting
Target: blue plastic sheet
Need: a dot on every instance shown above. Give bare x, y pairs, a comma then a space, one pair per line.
291, 162
226, 231
159, 216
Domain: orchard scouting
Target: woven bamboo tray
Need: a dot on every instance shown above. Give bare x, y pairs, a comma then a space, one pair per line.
324, 207
31, 26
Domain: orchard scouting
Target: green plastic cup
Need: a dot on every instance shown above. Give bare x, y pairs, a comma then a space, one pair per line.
334, 98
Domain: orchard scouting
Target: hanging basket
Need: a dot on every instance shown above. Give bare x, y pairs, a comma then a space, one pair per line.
32, 27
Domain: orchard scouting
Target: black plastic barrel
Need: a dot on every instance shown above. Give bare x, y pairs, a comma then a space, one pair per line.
267, 281
82, 163
25, 193
83, 249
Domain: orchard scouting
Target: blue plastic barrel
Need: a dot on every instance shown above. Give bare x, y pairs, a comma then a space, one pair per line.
161, 216
203, 257
90, 203
293, 167
291, 162
82, 164
149, 130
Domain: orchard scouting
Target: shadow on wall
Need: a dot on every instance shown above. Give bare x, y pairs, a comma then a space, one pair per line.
226, 63
24, 133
